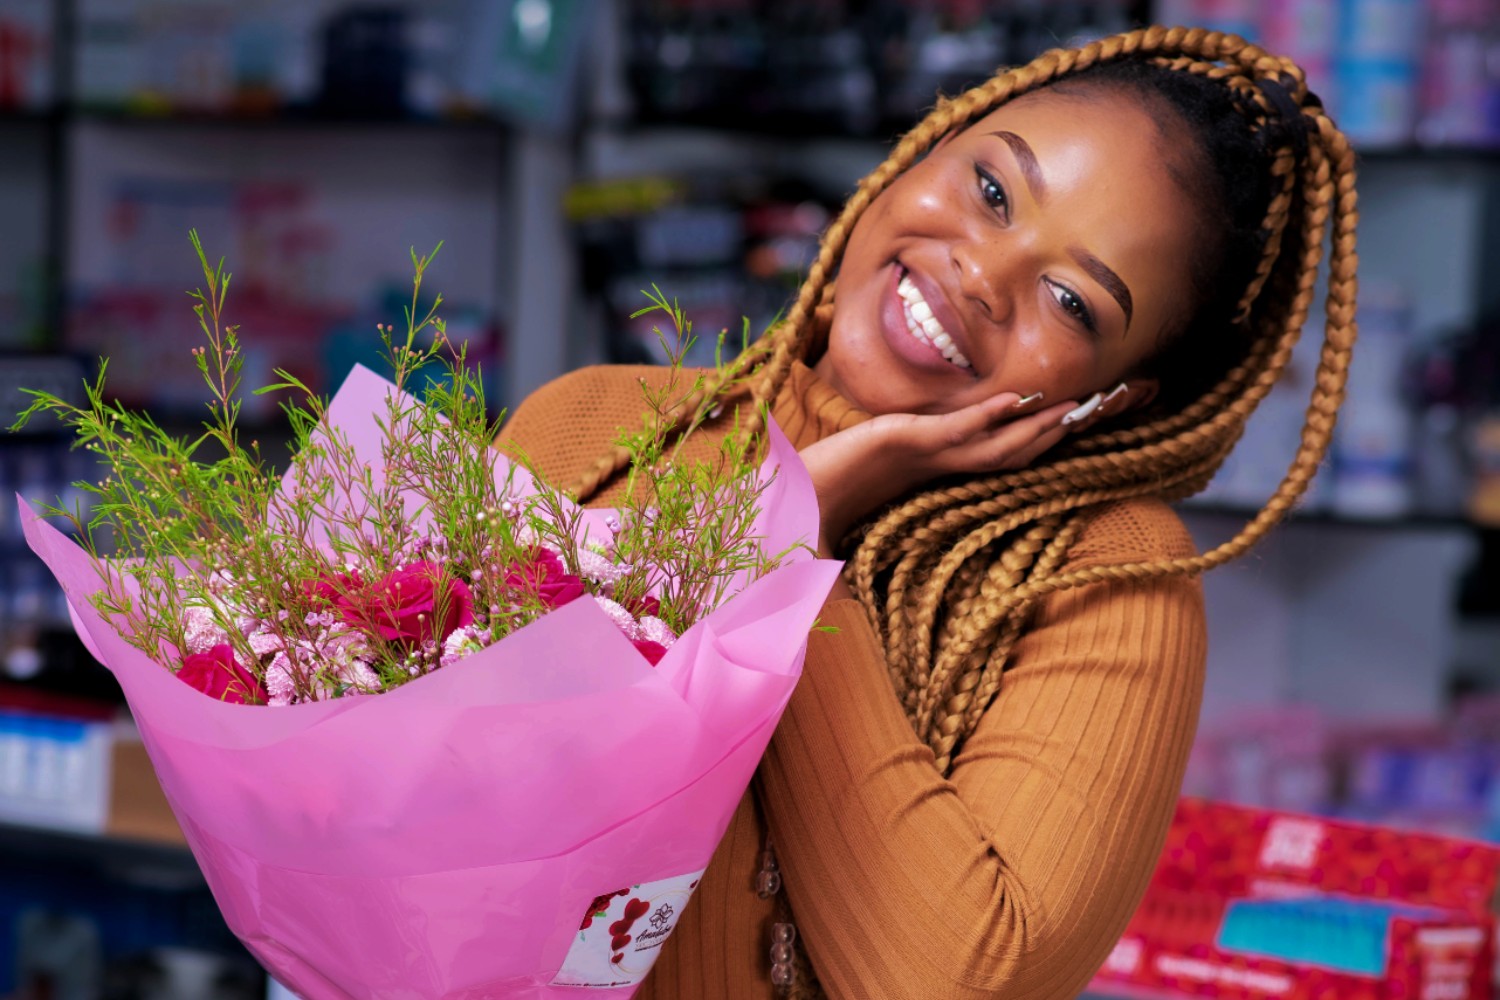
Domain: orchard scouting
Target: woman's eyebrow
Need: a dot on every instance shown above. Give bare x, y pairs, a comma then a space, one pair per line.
1108, 279
1031, 170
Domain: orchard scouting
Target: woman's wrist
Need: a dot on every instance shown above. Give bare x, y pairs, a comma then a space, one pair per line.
852, 475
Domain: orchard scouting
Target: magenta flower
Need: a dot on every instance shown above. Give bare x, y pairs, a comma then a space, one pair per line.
329, 589
217, 674
652, 651
647, 606
416, 604
545, 577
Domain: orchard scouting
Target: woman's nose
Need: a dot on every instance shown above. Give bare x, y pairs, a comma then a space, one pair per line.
981, 280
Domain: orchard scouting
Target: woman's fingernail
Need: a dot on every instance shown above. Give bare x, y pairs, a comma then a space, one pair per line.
1089, 406
1025, 401
1115, 394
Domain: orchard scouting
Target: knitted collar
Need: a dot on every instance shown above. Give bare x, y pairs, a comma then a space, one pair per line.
808, 409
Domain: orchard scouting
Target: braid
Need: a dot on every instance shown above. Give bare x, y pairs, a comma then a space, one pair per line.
950, 576
1174, 455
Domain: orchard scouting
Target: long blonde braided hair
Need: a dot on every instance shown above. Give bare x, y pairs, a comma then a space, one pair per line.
949, 576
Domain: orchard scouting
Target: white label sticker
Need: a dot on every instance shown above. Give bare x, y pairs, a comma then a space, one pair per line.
623, 931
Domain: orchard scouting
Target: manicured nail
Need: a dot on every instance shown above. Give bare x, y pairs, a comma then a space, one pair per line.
1025, 401
1089, 406
1114, 394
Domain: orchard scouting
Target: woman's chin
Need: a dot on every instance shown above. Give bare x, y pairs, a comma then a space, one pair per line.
882, 384
879, 372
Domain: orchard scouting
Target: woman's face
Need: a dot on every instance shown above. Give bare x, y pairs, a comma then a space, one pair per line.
1044, 249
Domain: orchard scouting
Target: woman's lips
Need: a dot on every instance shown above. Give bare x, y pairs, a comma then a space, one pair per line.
923, 324
942, 311
920, 353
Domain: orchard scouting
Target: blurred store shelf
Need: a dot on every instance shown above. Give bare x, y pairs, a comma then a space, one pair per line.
312, 119
1428, 154
137, 859
27, 117
762, 129
1416, 521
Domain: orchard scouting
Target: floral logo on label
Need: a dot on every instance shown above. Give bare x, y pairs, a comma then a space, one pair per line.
617, 942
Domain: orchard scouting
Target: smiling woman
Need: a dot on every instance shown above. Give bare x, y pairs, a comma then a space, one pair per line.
1045, 316
982, 269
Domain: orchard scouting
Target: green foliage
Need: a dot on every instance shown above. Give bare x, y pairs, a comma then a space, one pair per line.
202, 524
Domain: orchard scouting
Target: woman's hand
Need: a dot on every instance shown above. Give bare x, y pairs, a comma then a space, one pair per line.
860, 469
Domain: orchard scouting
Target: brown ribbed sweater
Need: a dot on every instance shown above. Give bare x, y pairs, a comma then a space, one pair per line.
1012, 877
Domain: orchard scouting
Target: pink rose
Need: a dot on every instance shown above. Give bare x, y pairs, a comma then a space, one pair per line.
545, 577
652, 651
405, 606
218, 675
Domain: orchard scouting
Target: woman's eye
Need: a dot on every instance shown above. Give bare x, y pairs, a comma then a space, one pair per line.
990, 190
1073, 304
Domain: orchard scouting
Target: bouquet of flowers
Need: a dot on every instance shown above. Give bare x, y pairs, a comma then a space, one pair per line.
430, 728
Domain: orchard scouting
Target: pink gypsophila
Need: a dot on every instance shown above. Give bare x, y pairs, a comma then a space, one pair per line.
280, 685
622, 618
201, 632
264, 642
655, 630
462, 642
360, 678
349, 655
600, 568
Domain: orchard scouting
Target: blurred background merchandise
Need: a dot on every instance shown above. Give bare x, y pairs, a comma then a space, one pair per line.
570, 154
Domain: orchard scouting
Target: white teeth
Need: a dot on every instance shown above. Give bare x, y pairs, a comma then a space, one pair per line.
924, 326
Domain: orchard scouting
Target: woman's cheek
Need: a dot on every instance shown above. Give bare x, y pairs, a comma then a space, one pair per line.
1060, 370
928, 204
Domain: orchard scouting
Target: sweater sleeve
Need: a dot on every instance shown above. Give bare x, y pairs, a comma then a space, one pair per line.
569, 423
1012, 878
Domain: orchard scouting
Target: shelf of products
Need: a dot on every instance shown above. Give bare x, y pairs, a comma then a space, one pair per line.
78, 68
123, 123
753, 130
716, 128
286, 119
96, 882
1394, 72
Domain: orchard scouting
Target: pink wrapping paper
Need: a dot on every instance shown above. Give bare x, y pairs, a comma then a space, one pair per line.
445, 839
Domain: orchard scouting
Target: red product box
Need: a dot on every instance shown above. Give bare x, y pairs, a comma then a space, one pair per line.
1250, 903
